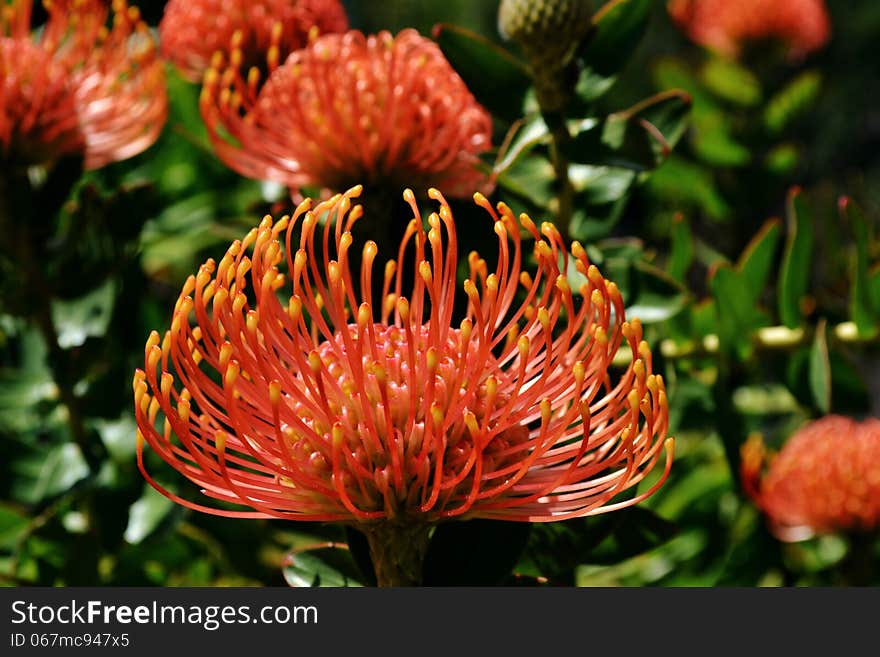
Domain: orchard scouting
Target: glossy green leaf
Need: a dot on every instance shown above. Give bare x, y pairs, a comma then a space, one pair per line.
530, 133
598, 185
820, 370
616, 143
474, 552
147, 514
618, 27
862, 309
89, 316
531, 178
325, 564
794, 275
757, 259
46, 473
654, 296
498, 80
599, 207
639, 138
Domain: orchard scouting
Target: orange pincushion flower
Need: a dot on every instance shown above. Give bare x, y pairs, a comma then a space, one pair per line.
826, 478
351, 108
311, 409
724, 26
191, 31
79, 87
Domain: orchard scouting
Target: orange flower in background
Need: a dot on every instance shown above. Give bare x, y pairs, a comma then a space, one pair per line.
191, 31
725, 26
79, 86
825, 479
351, 108
330, 405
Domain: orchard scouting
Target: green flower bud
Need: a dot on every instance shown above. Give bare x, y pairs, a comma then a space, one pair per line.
548, 31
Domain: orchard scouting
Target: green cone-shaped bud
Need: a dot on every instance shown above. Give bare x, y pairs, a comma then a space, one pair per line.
548, 31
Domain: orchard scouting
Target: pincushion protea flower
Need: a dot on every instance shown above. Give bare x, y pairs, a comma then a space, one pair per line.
825, 479
191, 31
310, 409
350, 108
79, 87
724, 26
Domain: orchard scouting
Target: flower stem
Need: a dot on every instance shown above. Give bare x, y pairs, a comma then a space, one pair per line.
565, 190
398, 552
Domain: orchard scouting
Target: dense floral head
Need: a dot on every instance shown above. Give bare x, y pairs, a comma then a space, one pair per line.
78, 87
191, 31
725, 26
825, 479
347, 108
332, 405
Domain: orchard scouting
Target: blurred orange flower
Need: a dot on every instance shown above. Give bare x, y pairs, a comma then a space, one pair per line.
826, 478
725, 26
78, 87
334, 406
191, 31
348, 109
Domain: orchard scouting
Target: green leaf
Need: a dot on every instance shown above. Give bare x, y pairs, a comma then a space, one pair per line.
89, 316
498, 80
820, 370
636, 531
794, 275
792, 100
862, 309
600, 206
681, 253
618, 28
667, 115
735, 306
555, 549
598, 185
530, 133
325, 564
474, 552
687, 184
639, 138
782, 159
43, 474
756, 261
146, 515
13, 523
731, 81
118, 436
874, 286
654, 295
531, 178
714, 142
